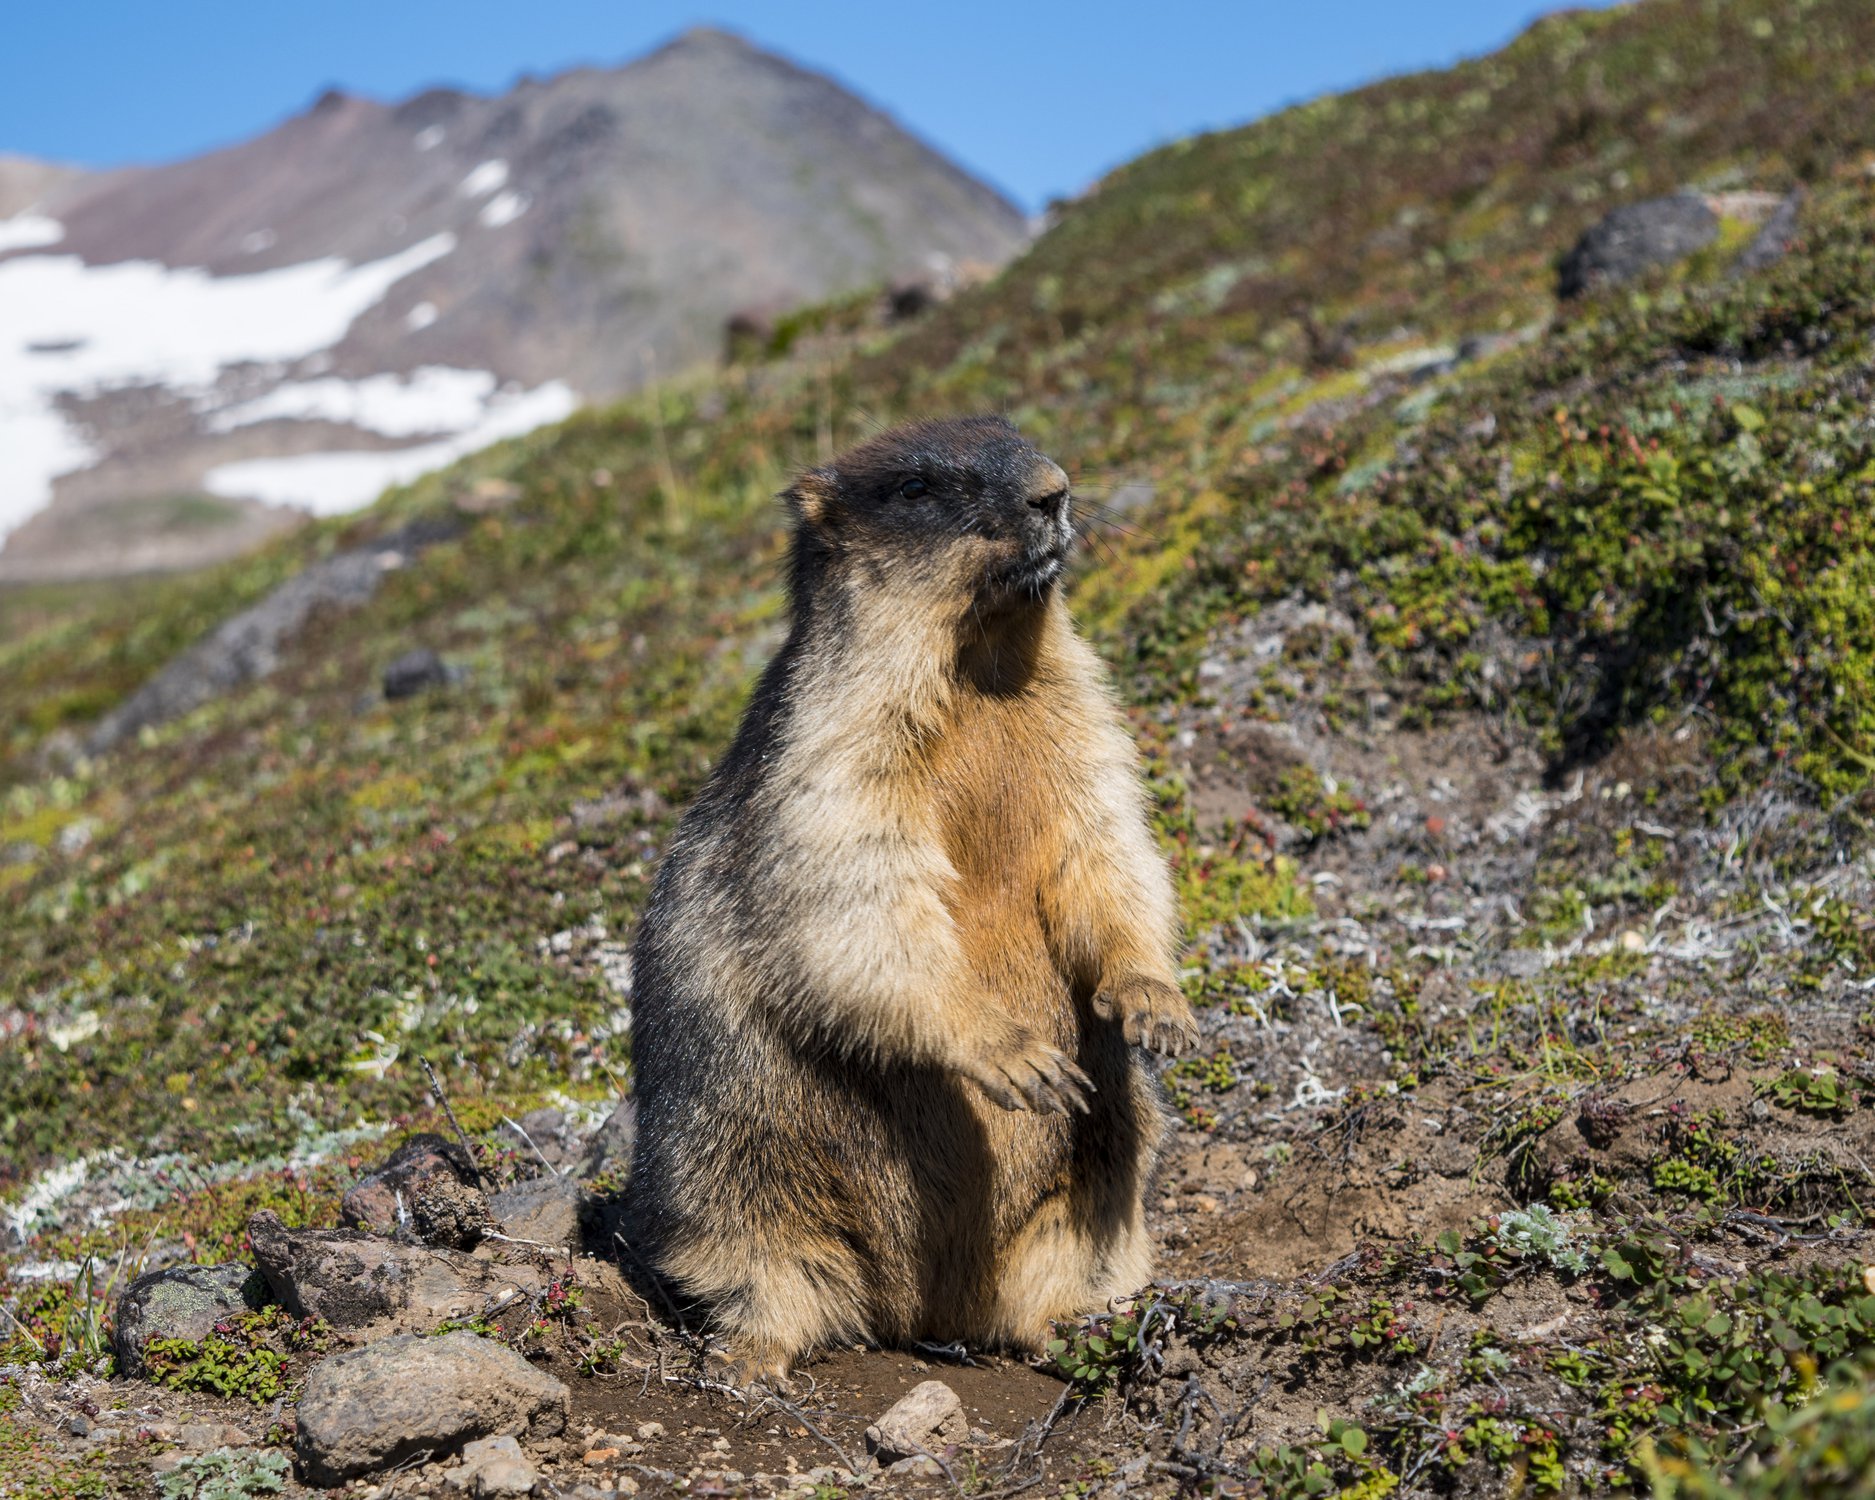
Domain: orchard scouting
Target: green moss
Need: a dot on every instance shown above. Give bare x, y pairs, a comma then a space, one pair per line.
246, 1357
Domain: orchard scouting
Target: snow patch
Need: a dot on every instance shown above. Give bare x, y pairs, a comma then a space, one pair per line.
429, 400
430, 137
29, 231
69, 327
421, 316
490, 177
332, 483
259, 240
503, 208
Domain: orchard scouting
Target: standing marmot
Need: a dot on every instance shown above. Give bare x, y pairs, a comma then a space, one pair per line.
890, 978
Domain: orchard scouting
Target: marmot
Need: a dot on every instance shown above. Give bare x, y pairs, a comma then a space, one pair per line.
894, 968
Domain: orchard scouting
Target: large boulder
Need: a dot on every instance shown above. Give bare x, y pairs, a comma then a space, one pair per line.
1634, 238
369, 1409
359, 1282
182, 1302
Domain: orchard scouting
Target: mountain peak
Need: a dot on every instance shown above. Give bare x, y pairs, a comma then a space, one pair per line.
498, 261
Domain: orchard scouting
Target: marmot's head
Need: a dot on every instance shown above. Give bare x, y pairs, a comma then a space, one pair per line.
963, 507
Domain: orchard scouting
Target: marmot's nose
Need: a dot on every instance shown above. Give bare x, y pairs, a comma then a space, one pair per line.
1048, 486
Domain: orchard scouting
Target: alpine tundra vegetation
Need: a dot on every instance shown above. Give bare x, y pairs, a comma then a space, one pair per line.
1504, 670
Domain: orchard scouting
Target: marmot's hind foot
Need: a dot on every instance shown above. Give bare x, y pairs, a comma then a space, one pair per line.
747, 1367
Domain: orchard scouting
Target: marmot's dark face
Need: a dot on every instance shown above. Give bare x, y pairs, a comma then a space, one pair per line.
968, 502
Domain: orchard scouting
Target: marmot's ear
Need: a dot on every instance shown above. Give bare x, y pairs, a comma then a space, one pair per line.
811, 497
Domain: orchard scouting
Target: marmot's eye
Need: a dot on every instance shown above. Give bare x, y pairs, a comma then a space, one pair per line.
911, 489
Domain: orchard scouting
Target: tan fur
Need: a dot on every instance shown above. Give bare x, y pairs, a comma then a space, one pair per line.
919, 907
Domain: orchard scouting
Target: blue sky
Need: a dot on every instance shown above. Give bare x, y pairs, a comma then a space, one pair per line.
1038, 97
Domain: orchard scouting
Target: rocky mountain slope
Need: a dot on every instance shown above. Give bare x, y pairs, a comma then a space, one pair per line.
1501, 664
372, 290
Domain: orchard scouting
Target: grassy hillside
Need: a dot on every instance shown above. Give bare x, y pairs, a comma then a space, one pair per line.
1412, 525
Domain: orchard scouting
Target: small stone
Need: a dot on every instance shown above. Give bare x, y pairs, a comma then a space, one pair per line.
649, 1430
380, 1200
925, 1419
415, 672
365, 1410
916, 1467
200, 1437
505, 1477
182, 1302
449, 1214
1633, 942
1205, 1204
1868, 1279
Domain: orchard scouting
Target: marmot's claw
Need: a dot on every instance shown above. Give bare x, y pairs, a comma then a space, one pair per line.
745, 1369
1151, 1014
1032, 1075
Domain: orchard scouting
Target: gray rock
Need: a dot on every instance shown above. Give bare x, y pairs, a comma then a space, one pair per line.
391, 1401
416, 672
383, 1200
1774, 239
202, 1437
545, 1211
248, 646
359, 1282
183, 1302
544, 1135
610, 1149
1634, 238
925, 1420
492, 1468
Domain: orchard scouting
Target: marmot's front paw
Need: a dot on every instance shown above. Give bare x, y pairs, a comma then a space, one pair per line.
1024, 1072
1151, 1013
